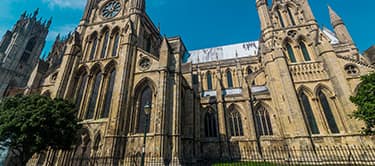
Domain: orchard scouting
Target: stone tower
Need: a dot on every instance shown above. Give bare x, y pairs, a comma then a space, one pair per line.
20, 49
114, 64
339, 27
294, 45
290, 88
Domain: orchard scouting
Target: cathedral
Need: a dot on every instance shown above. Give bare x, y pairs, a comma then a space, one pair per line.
290, 87
20, 49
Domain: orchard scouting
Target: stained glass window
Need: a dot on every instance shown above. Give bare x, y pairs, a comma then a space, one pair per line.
309, 115
93, 47
94, 96
115, 44
305, 52
80, 90
263, 122
105, 45
280, 18
210, 124
28, 50
291, 16
209, 81
229, 79
144, 99
292, 57
235, 123
108, 95
328, 112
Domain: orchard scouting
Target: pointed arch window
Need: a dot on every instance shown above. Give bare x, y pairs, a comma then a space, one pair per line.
280, 18
292, 57
309, 115
235, 123
28, 50
305, 52
210, 124
263, 122
291, 16
328, 112
94, 96
115, 44
93, 47
209, 81
148, 43
144, 98
108, 94
80, 90
105, 44
229, 79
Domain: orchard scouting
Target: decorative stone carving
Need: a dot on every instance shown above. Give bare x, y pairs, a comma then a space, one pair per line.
144, 64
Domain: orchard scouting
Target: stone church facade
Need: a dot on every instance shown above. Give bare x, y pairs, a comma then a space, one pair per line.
291, 87
20, 49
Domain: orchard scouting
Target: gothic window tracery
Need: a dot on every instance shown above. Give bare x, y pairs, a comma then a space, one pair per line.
282, 24
209, 81
263, 122
94, 42
105, 44
115, 44
305, 52
111, 9
80, 89
235, 123
210, 123
94, 96
309, 115
290, 51
290, 14
351, 70
145, 98
229, 79
28, 50
327, 110
108, 94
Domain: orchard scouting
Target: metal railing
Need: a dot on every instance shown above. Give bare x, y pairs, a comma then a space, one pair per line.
271, 156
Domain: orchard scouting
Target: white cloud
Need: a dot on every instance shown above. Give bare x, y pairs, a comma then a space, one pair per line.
75, 4
62, 30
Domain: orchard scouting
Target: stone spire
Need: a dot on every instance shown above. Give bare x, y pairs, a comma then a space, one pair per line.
36, 12
335, 18
339, 27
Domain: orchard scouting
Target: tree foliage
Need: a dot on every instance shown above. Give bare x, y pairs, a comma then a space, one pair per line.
30, 124
365, 101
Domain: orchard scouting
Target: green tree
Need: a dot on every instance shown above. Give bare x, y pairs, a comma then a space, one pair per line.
365, 101
30, 124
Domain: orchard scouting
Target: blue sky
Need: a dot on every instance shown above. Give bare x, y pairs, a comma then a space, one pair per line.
201, 23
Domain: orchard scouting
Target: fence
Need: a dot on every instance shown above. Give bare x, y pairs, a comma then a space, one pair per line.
321, 155
272, 156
